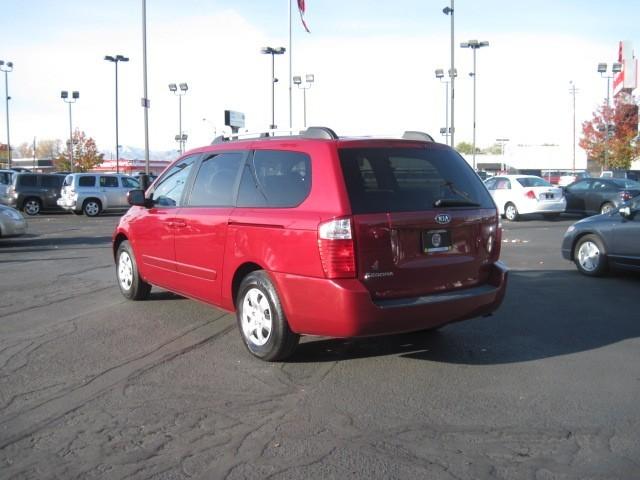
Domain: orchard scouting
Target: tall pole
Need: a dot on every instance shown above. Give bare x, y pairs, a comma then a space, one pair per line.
606, 129
573, 91
117, 143
180, 122
34, 154
447, 130
304, 101
145, 100
273, 95
6, 91
70, 140
453, 79
290, 72
474, 108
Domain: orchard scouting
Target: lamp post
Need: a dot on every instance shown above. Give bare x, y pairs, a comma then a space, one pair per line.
74, 97
6, 68
180, 93
501, 142
602, 70
452, 70
273, 52
115, 59
446, 131
309, 79
573, 90
474, 45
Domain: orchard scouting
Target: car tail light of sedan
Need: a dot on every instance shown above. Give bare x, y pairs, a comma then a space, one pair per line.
625, 196
530, 194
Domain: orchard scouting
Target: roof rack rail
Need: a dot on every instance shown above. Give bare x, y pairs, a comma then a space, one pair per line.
310, 132
419, 136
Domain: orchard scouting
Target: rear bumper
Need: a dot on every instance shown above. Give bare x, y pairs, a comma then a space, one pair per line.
535, 206
344, 308
13, 228
67, 203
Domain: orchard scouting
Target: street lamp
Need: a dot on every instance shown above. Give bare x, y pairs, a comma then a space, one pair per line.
6, 68
446, 131
273, 52
116, 59
452, 69
180, 92
309, 79
74, 97
474, 45
602, 70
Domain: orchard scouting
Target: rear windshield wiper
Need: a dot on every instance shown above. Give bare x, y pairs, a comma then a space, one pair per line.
454, 202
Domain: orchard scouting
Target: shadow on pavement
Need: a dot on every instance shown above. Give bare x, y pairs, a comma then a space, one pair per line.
545, 314
47, 241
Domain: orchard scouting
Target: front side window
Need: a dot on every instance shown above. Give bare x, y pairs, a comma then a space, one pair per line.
87, 181
276, 179
128, 182
109, 182
215, 181
169, 190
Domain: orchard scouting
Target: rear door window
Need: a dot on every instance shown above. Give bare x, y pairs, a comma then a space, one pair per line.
27, 180
86, 181
214, 184
410, 179
109, 182
51, 181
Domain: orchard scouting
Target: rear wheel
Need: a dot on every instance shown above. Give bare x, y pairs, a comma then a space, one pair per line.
131, 285
32, 206
261, 321
92, 207
606, 207
511, 212
590, 256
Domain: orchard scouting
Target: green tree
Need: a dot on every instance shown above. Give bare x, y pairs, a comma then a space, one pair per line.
465, 147
495, 149
49, 148
85, 154
608, 138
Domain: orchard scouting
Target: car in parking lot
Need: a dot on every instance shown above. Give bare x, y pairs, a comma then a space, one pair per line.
5, 181
93, 193
592, 196
12, 222
517, 195
317, 234
33, 192
611, 239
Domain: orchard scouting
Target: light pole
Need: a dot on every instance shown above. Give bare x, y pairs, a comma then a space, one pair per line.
446, 131
6, 68
501, 142
573, 90
74, 97
309, 79
273, 52
452, 70
474, 45
115, 59
602, 70
183, 90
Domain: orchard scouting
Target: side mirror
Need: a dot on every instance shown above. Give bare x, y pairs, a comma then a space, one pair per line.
625, 212
137, 199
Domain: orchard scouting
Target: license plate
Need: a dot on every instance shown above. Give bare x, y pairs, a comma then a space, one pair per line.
548, 196
436, 241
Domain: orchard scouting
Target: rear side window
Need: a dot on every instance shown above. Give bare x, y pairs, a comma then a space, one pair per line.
409, 179
87, 181
68, 181
275, 178
213, 186
27, 180
5, 178
109, 182
52, 181
533, 182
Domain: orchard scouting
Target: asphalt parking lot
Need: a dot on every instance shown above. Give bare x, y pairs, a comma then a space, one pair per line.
94, 386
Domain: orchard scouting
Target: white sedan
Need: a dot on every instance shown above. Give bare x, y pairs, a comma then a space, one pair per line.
517, 195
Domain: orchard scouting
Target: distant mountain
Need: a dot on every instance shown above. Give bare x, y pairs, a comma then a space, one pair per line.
133, 153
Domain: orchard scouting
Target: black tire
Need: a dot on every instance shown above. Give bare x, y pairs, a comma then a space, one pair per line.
263, 326
590, 256
92, 207
132, 286
511, 212
606, 207
32, 206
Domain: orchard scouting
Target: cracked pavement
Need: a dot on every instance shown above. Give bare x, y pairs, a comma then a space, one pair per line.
95, 386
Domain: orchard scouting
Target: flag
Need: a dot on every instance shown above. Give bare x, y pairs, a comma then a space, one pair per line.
301, 9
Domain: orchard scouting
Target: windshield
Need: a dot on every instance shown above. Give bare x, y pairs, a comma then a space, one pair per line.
410, 179
533, 182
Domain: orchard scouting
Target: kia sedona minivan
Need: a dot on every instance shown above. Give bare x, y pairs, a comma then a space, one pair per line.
313, 234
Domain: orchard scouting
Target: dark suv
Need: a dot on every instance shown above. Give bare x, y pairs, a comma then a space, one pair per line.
33, 192
319, 235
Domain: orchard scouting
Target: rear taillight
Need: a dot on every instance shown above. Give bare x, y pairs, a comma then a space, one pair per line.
530, 194
10, 190
624, 196
337, 253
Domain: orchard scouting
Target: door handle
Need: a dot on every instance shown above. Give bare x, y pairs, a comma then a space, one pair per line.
177, 223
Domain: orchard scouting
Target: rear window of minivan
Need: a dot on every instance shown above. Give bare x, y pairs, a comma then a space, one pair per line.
87, 181
408, 179
27, 180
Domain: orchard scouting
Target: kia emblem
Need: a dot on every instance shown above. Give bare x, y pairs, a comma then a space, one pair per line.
443, 218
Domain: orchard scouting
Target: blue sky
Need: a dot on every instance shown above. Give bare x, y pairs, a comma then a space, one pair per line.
373, 63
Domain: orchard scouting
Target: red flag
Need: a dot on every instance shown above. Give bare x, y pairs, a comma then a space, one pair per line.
301, 9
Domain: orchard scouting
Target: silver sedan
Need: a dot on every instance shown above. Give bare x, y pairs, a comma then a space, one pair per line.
11, 222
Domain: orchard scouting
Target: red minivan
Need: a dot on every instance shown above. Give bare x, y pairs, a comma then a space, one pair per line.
317, 235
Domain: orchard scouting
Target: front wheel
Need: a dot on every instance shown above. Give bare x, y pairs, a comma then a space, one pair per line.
590, 256
262, 323
132, 286
32, 206
511, 212
92, 208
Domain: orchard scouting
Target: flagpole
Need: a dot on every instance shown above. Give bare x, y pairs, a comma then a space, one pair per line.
290, 73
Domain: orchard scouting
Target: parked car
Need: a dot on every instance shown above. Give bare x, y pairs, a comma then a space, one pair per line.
12, 222
599, 195
571, 177
5, 181
517, 195
33, 192
608, 240
93, 193
319, 235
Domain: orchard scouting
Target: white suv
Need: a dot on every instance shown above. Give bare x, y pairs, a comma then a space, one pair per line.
92, 193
